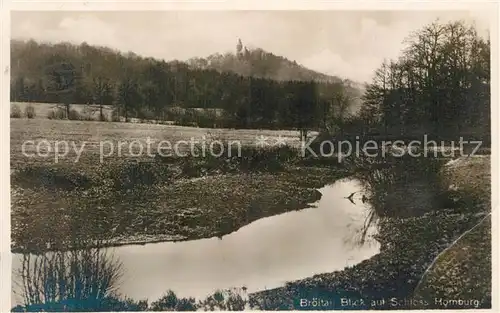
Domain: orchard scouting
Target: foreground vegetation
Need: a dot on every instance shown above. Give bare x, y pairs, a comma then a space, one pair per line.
88, 279
410, 239
409, 246
463, 270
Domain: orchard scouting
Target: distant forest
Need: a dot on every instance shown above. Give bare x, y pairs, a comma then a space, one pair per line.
439, 85
146, 88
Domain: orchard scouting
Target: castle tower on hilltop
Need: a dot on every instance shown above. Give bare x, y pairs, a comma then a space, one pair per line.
239, 48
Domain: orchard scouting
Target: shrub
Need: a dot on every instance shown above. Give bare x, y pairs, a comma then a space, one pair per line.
115, 116
51, 178
146, 115
57, 114
108, 304
207, 119
266, 158
74, 115
87, 114
15, 111
399, 186
103, 117
55, 280
170, 302
119, 305
235, 158
226, 300
29, 111
129, 175
188, 117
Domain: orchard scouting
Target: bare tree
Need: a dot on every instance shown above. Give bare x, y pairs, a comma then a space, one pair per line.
102, 93
61, 77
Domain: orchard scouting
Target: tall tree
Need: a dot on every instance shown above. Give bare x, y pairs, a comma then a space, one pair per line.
439, 85
128, 97
61, 79
102, 93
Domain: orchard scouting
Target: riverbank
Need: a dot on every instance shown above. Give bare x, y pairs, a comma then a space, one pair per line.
56, 208
408, 248
51, 208
463, 270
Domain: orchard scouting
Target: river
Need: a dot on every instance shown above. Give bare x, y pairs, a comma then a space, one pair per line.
262, 255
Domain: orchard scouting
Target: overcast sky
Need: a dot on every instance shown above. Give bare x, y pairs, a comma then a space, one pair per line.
349, 44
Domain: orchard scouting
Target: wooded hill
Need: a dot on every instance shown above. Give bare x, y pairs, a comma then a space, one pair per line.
142, 87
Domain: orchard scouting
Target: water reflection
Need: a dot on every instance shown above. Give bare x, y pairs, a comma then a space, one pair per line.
401, 187
264, 254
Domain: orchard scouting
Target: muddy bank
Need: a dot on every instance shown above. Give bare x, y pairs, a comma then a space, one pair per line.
184, 209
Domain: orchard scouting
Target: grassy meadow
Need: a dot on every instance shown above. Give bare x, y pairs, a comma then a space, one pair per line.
93, 132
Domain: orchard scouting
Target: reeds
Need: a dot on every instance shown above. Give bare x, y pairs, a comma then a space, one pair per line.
76, 279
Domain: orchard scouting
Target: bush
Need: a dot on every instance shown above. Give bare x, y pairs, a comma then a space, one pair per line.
55, 280
237, 159
399, 186
188, 117
115, 116
74, 115
145, 115
130, 175
15, 111
103, 117
170, 302
107, 304
226, 300
50, 177
29, 111
87, 114
57, 114
266, 158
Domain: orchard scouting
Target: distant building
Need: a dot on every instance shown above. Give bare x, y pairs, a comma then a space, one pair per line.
239, 48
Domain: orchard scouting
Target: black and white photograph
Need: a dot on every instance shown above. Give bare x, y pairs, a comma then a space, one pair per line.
230, 160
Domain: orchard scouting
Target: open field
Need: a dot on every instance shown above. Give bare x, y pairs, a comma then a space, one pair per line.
93, 133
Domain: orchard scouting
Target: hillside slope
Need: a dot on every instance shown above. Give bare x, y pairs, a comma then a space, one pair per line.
235, 82
263, 64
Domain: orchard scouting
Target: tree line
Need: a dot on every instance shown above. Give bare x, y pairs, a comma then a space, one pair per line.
147, 88
440, 85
